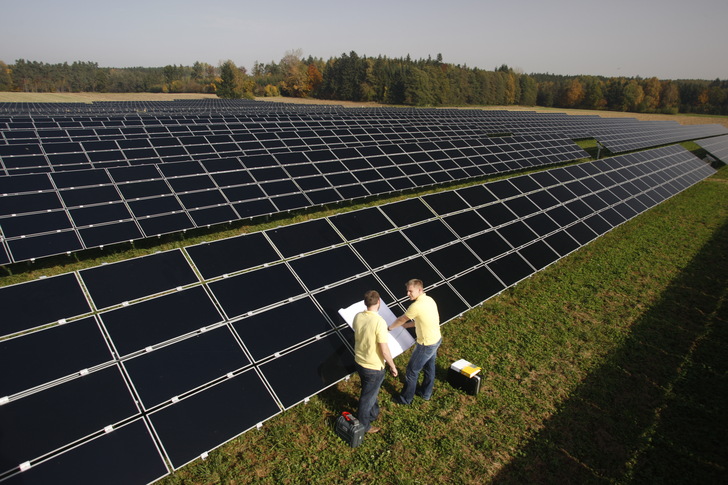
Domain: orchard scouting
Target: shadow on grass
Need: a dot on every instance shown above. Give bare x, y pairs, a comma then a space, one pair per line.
656, 411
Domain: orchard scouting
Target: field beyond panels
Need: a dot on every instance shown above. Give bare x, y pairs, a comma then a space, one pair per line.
8, 97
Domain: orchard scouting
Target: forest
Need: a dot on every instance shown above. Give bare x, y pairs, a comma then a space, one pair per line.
397, 81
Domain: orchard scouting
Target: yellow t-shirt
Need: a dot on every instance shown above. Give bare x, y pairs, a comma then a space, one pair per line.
427, 319
370, 330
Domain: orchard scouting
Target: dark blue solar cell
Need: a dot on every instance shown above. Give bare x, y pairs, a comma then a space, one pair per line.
407, 212
256, 289
304, 237
98, 461
110, 234
20, 204
522, 206
111, 284
127, 174
541, 224
511, 268
144, 189
282, 327
226, 179
327, 267
175, 369
384, 249
452, 259
99, 214
503, 189
62, 296
477, 286
613, 217
488, 245
35, 223
429, 235
254, 208
24, 183
150, 322
496, 214
517, 233
165, 224
561, 215
597, 224
211, 417
45, 245
89, 195
466, 223
44, 356
213, 215
581, 232
361, 223
316, 366
539, 254
562, 243
205, 198
62, 414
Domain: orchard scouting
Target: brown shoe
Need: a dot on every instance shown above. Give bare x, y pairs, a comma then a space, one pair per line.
373, 429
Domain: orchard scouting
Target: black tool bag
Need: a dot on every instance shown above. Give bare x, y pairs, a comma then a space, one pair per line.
471, 385
349, 429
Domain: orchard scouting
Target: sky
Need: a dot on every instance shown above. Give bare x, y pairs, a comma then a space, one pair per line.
667, 39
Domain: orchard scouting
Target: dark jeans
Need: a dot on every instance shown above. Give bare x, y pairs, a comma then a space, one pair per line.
422, 359
371, 381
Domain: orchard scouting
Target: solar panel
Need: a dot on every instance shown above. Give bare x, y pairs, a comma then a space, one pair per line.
716, 146
204, 420
115, 283
108, 455
63, 299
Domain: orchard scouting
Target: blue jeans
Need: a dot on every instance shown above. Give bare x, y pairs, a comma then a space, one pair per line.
371, 381
422, 359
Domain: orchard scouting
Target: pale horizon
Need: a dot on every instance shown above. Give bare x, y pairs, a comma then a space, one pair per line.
646, 38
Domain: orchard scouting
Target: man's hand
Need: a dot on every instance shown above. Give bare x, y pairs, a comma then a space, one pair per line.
394, 370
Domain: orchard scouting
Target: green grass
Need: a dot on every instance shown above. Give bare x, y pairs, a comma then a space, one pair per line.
607, 367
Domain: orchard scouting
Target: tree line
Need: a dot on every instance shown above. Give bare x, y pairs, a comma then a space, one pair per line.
399, 81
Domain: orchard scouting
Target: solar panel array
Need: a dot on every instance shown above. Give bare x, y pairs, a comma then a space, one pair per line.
130, 366
58, 212
717, 147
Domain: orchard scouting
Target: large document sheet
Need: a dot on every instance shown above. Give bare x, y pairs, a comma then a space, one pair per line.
400, 339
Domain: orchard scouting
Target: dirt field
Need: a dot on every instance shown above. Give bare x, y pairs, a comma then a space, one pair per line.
91, 97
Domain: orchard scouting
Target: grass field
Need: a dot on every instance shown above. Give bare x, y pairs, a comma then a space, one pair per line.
607, 367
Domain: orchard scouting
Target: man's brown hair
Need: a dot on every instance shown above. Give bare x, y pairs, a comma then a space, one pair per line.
416, 283
371, 298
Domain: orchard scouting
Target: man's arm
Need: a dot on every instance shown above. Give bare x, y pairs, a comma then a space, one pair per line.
388, 357
404, 321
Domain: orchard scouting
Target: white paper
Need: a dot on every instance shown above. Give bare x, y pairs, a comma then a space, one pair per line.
400, 339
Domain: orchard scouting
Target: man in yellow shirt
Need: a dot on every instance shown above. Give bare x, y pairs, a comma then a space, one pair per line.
371, 351
423, 315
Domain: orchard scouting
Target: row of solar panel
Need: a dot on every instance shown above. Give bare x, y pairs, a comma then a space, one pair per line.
179, 373
47, 128
122, 148
618, 138
131, 203
717, 147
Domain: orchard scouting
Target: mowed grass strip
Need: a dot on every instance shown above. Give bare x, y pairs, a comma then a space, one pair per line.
606, 367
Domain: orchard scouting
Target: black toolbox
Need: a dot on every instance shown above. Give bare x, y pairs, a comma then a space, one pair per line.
349, 429
471, 385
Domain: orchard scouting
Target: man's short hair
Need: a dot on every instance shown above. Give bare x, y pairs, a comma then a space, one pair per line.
416, 283
371, 298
